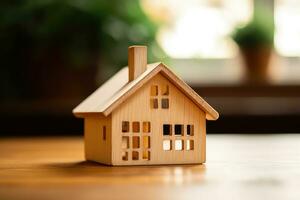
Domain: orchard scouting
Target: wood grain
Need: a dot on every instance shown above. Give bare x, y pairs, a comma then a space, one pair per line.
137, 61
181, 110
99, 102
238, 167
97, 149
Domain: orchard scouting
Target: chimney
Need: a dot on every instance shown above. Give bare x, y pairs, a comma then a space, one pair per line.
137, 61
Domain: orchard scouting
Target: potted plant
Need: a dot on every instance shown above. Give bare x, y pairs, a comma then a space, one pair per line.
255, 41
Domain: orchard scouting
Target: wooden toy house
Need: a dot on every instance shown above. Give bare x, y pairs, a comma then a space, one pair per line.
145, 115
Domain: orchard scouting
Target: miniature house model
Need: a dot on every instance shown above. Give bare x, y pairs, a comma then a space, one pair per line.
145, 115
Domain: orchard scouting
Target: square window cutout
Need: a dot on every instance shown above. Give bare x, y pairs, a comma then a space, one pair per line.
146, 127
164, 103
154, 103
125, 126
135, 127
135, 155
167, 129
125, 142
146, 142
165, 90
135, 142
190, 130
124, 155
190, 145
167, 145
146, 155
178, 145
154, 90
178, 129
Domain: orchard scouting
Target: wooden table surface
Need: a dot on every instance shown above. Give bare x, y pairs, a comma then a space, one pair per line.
238, 167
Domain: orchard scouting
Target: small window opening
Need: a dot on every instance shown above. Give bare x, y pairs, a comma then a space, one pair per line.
178, 129
190, 145
154, 103
154, 90
178, 145
135, 142
165, 90
135, 127
167, 129
146, 142
125, 142
104, 133
146, 127
135, 155
165, 103
146, 155
125, 126
190, 130
167, 145
124, 155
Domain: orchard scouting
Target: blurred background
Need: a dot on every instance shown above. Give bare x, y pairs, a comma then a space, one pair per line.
243, 57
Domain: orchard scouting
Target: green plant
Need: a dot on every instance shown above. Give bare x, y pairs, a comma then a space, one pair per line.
258, 32
73, 35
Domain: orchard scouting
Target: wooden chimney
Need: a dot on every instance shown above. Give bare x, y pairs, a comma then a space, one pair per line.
137, 61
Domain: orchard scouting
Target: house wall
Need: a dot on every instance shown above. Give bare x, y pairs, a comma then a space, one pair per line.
181, 111
97, 146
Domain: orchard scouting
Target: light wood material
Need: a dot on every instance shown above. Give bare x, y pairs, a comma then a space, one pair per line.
238, 167
117, 89
95, 147
153, 95
137, 61
181, 111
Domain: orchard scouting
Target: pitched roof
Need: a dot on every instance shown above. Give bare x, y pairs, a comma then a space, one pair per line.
117, 89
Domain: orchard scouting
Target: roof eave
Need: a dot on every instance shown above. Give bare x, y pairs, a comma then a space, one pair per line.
211, 114
212, 117
88, 114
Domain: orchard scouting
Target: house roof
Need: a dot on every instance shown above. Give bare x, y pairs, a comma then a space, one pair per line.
117, 89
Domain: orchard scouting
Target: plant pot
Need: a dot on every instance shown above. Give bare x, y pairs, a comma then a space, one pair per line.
256, 60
